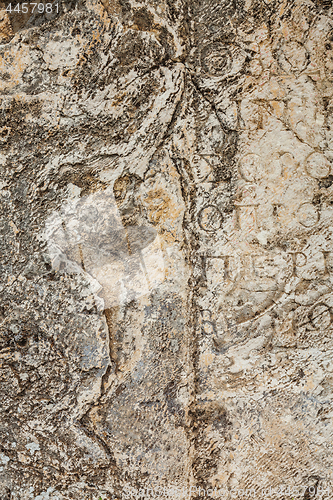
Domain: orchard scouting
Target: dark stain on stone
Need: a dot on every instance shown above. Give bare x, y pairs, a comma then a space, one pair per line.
143, 20
326, 183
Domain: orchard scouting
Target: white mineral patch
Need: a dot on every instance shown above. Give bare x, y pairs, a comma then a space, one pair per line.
87, 237
32, 447
4, 459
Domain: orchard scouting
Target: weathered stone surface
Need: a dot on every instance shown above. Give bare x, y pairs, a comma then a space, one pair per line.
166, 297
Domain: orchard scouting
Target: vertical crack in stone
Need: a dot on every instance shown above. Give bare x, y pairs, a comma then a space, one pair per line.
110, 315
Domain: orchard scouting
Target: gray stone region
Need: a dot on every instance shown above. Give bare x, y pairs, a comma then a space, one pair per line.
166, 249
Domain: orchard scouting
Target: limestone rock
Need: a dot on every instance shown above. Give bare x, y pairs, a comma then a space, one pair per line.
166, 296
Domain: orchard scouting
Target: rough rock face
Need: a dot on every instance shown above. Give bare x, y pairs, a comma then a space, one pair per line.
166, 297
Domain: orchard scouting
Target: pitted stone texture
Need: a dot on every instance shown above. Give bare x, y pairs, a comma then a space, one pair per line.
166, 249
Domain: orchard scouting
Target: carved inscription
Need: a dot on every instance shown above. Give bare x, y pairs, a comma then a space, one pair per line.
210, 218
